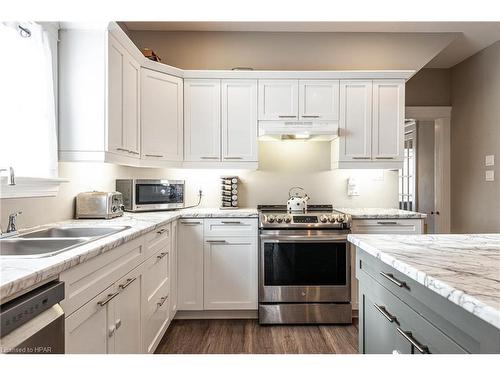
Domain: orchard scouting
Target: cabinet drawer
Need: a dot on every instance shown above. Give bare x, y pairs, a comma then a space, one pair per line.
408, 324
230, 227
158, 239
85, 281
155, 317
387, 226
156, 273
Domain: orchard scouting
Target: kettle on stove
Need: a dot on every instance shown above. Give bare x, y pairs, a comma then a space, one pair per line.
297, 200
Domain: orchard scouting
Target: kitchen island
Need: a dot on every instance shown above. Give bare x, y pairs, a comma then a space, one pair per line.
428, 293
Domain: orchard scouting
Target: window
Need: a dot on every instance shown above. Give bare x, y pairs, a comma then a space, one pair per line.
28, 118
28, 127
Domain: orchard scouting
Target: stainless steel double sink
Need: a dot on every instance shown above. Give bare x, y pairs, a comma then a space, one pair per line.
53, 240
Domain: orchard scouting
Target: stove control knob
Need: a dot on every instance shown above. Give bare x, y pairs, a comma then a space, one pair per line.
279, 219
323, 218
270, 219
331, 219
288, 219
340, 218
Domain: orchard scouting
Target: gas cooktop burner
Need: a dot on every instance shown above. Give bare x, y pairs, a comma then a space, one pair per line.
320, 216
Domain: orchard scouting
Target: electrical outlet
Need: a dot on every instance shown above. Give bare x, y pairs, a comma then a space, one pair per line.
489, 175
489, 160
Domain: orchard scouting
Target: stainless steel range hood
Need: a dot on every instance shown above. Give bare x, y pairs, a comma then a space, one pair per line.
298, 130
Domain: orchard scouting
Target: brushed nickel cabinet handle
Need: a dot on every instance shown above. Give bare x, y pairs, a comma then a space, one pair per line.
209, 157
233, 157
231, 222
162, 230
118, 323
392, 279
361, 157
107, 299
409, 337
286, 116
384, 157
387, 222
190, 222
162, 301
162, 255
154, 156
310, 116
122, 149
381, 309
134, 152
111, 330
216, 241
127, 283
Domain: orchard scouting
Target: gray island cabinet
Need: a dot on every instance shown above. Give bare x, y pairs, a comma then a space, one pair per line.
410, 312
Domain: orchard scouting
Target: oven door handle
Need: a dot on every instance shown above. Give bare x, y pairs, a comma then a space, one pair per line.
273, 238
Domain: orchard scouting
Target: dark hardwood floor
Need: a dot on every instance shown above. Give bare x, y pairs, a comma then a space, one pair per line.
246, 336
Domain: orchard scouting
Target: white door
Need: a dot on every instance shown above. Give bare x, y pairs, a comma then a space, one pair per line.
173, 271
239, 120
161, 116
319, 100
355, 120
388, 119
127, 319
202, 120
116, 57
230, 273
131, 99
190, 265
89, 330
278, 99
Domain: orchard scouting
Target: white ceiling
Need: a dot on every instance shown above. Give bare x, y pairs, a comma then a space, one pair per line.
471, 37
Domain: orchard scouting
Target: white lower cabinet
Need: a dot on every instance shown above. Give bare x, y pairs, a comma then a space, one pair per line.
230, 277
190, 265
173, 270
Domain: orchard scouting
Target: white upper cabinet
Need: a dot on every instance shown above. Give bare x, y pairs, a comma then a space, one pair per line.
388, 119
319, 100
202, 120
278, 99
355, 120
123, 101
161, 116
239, 120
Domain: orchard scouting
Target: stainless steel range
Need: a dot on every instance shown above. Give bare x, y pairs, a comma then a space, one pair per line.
304, 266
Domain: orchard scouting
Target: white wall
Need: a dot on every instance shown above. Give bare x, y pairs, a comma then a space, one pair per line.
282, 165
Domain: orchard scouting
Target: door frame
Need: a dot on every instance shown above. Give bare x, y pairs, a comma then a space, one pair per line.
441, 115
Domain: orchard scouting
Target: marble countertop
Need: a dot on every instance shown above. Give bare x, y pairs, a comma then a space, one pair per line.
381, 213
463, 268
19, 274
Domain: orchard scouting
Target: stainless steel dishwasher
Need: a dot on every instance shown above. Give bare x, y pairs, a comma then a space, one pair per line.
34, 322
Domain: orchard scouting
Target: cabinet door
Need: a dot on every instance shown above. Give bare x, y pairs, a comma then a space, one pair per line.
278, 99
202, 120
131, 98
355, 120
239, 120
116, 58
173, 271
127, 314
90, 329
388, 119
161, 116
319, 100
230, 273
190, 265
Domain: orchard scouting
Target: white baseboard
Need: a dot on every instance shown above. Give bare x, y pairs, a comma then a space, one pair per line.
217, 314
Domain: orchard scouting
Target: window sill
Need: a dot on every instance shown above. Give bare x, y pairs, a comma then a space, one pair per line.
29, 187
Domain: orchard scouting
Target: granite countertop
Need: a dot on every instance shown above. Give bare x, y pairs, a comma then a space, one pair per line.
463, 268
18, 274
381, 213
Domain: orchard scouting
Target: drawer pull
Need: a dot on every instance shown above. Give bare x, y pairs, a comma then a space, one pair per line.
111, 330
127, 283
191, 222
392, 279
287, 116
408, 336
361, 157
118, 323
310, 116
162, 230
162, 301
383, 311
387, 222
233, 157
161, 255
384, 157
154, 156
231, 222
216, 241
107, 299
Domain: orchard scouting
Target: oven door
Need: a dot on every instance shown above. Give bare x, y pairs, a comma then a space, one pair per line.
158, 194
304, 266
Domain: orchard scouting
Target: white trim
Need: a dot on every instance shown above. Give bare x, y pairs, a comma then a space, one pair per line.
216, 314
427, 113
28, 187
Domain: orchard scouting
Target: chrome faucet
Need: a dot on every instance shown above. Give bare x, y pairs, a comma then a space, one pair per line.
12, 177
11, 226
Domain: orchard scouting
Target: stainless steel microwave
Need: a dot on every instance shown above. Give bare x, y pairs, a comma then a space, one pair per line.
151, 195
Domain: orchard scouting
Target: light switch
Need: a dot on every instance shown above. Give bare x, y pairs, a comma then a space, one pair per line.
489, 175
489, 160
